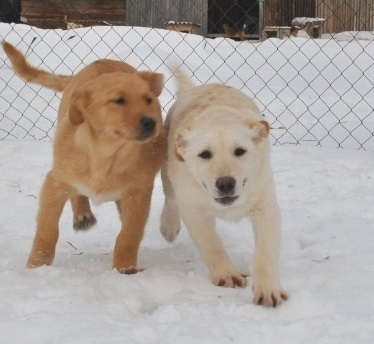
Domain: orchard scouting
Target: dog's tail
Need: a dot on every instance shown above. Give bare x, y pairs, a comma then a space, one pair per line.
184, 82
56, 82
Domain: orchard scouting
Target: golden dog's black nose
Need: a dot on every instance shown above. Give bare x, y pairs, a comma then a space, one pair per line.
225, 185
148, 125
147, 128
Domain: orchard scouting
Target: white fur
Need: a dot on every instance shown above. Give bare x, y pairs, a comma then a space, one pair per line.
220, 119
97, 198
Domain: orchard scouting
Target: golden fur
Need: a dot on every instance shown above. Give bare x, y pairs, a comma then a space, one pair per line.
109, 145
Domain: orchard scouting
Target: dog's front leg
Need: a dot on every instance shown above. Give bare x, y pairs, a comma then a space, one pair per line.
134, 207
83, 216
52, 199
266, 285
202, 230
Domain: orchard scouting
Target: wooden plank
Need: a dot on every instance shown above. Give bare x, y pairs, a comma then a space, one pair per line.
196, 13
346, 15
50, 14
340, 15
139, 13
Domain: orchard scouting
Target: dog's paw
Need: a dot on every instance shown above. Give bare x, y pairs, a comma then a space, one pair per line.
169, 232
38, 258
170, 227
84, 221
131, 270
268, 297
170, 222
231, 280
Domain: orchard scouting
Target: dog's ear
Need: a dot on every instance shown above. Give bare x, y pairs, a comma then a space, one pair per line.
181, 143
154, 80
260, 128
79, 102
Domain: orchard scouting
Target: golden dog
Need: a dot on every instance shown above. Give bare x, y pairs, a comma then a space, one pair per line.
109, 145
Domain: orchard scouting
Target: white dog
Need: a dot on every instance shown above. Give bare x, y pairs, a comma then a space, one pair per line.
219, 166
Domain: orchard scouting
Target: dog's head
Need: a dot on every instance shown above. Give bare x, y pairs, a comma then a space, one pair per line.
119, 105
223, 155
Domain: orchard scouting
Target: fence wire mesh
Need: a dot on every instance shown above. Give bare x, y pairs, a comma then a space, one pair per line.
309, 65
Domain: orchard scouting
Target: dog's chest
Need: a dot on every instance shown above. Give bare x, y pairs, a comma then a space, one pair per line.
97, 197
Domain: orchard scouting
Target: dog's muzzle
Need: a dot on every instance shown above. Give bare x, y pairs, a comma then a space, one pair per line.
226, 189
147, 127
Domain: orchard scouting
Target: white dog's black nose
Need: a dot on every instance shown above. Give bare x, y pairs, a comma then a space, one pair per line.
225, 185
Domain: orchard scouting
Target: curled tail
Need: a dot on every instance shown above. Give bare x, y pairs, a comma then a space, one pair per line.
56, 82
184, 82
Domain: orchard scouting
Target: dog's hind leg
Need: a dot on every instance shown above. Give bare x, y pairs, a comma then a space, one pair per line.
83, 216
52, 200
170, 218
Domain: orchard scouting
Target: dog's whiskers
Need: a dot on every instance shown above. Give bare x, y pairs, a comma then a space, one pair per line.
120, 130
123, 129
104, 132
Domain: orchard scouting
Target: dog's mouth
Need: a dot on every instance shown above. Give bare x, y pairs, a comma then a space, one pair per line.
144, 136
227, 200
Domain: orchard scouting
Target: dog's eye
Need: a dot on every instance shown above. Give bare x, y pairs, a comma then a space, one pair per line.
205, 154
239, 151
120, 100
148, 100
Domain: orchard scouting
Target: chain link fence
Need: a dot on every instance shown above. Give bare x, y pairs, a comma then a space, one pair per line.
309, 65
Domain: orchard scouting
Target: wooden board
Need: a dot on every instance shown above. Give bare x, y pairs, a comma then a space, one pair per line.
50, 14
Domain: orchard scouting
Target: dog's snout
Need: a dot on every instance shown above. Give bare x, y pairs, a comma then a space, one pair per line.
148, 124
225, 185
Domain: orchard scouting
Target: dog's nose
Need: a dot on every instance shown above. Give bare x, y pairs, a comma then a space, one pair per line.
148, 124
225, 185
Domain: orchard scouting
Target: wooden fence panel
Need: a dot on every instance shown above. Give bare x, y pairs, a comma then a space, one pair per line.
346, 15
50, 14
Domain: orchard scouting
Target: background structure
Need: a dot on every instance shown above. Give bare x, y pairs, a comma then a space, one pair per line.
301, 100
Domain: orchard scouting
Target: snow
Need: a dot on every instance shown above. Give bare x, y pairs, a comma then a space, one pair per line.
326, 196
304, 20
349, 36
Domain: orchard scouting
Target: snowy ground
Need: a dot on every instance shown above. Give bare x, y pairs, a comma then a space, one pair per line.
327, 199
326, 196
